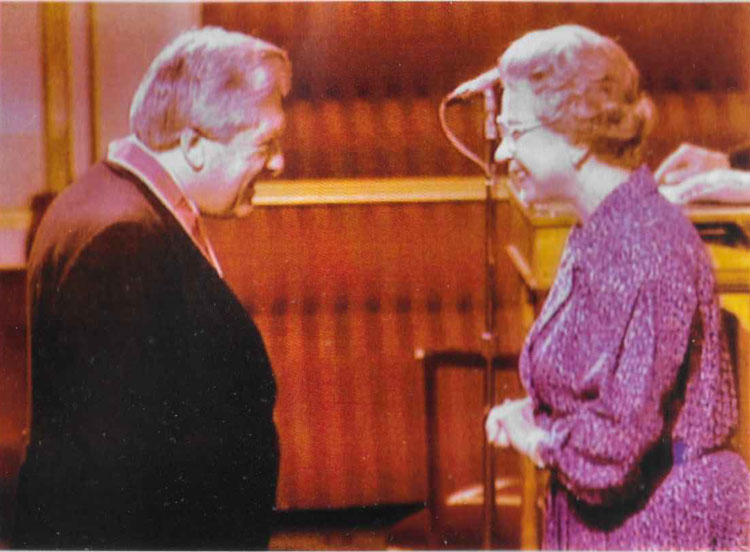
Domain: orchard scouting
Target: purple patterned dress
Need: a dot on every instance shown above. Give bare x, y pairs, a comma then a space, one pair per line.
630, 377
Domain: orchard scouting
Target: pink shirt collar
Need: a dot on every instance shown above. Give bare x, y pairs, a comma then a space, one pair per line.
129, 154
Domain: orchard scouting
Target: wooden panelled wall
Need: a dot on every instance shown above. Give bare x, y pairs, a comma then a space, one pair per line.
406, 49
344, 294
368, 77
380, 137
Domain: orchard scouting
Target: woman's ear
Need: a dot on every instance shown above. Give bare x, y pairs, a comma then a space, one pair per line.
192, 147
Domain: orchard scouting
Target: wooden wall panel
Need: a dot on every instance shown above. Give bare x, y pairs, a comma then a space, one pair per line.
368, 77
377, 137
407, 49
460, 433
343, 295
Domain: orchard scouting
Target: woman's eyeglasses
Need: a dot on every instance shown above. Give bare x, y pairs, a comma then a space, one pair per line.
515, 131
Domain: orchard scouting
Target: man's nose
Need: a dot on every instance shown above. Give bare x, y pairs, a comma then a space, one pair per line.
275, 163
504, 151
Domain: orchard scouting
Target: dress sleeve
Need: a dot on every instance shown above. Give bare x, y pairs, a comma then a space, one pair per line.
596, 449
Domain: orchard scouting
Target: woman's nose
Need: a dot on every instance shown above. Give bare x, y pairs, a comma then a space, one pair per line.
504, 151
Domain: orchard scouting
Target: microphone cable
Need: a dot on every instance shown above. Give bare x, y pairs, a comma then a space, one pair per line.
462, 148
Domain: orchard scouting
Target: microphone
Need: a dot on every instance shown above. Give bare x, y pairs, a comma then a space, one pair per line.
478, 84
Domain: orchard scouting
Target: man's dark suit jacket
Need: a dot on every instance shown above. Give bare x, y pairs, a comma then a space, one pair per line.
152, 391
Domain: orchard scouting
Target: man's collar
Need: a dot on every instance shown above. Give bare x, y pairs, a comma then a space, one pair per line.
131, 155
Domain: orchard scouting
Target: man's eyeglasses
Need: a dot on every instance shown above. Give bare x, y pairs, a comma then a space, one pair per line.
515, 131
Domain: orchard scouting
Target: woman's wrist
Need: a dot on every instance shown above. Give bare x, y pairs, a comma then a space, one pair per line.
535, 440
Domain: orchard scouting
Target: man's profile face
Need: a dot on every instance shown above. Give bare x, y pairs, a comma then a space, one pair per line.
232, 168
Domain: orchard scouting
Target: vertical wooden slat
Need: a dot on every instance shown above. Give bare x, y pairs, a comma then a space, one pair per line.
56, 73
408, 254
346, 292
94, 91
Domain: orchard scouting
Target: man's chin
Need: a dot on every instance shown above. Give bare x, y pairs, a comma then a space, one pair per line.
235, 212
244, 204
231, 212
242, 210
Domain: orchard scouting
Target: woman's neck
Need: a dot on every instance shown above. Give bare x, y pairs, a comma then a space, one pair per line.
595, 181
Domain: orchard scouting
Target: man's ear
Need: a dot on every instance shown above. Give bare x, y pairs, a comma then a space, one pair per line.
192, 148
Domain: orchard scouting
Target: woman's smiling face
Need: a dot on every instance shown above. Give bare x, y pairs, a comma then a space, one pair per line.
539, 158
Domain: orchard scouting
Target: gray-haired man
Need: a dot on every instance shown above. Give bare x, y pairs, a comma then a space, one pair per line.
152, 391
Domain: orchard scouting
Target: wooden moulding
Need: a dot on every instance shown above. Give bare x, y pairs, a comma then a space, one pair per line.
373, 190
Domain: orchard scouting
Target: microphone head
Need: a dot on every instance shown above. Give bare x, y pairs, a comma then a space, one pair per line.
478, 84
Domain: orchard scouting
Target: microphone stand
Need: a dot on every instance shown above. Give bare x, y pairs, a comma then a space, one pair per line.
489, 335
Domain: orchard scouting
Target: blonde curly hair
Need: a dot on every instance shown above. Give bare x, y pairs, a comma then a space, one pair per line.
586, 88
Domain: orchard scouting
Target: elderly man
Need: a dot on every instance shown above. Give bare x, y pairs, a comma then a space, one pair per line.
152, 391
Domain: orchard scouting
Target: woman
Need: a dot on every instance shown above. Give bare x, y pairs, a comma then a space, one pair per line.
631, 397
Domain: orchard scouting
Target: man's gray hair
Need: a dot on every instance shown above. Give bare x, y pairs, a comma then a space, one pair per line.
208, 79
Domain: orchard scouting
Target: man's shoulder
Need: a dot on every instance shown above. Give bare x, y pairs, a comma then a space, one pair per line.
104, 193
100, 200
101, 196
